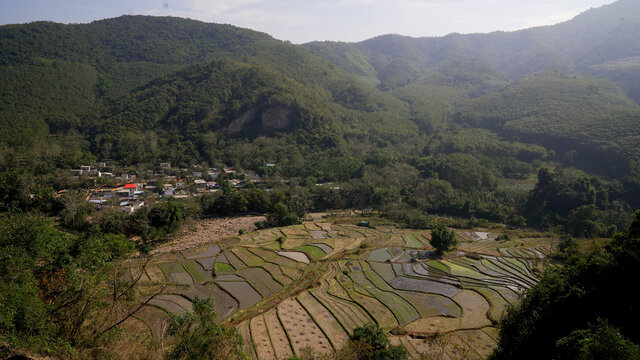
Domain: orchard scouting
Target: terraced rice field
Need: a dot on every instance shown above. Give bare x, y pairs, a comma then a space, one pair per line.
327, 279
315, 252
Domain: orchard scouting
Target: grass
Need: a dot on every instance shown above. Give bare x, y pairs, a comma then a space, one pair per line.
401, 309
412, 242
195, 271
438, 265
460, 270
222, 268
314, 251
172, 268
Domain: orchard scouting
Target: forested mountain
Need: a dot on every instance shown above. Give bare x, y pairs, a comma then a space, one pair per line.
457, 125
601, 41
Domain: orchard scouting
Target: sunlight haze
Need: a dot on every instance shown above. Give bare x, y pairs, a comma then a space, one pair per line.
304, 21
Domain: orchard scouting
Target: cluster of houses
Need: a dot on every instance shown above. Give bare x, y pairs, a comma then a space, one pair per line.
132, 192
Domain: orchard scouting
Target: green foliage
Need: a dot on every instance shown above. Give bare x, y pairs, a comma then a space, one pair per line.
443, 239
281, 215
199, 336
544, 323
49, 281
587, 205
565, 113
118, 245
166, 215
599, 341
516, 221
369, 342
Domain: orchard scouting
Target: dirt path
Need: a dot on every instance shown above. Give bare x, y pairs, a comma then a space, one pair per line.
207, 231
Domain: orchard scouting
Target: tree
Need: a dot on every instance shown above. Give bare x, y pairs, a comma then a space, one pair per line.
198, 335
369, 342
166, 215
280, 216
516, 221
443, 239
574, 297
599, 341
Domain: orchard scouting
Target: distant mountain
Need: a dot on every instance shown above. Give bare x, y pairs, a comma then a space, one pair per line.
603, 41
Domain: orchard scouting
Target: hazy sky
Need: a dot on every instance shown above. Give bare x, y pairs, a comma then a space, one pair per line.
304, 20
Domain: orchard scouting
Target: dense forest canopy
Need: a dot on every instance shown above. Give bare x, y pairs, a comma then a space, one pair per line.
457, 125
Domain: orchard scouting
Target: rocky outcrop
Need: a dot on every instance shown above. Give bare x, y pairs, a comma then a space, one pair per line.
274, 117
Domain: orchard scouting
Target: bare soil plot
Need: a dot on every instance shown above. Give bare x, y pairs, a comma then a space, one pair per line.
335, 289
312, 226
380, 255
324, 247
295, 255
279, 339
176, 273
475, 309
479, 341
424, 285
229, 243
242, 292
384, 270
276, 273
224, 304
429, 305
292, 231
207, 263
324, 319
294, 274
498, 303
235, 261
155, 319
245, 332
378, 311
247, 256
155, 273
261, 339
301, 329
342, 244
324, 226
261, 280
167, 305
348, 313
229, 277
318, 234
265, 236
272, 256
204, 251
433, 325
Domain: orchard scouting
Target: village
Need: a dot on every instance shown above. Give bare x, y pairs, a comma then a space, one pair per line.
131, 190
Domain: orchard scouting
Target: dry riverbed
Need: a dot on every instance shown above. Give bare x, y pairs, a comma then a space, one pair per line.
209, 230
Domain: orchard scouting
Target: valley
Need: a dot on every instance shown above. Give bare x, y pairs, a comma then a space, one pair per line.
309, 285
